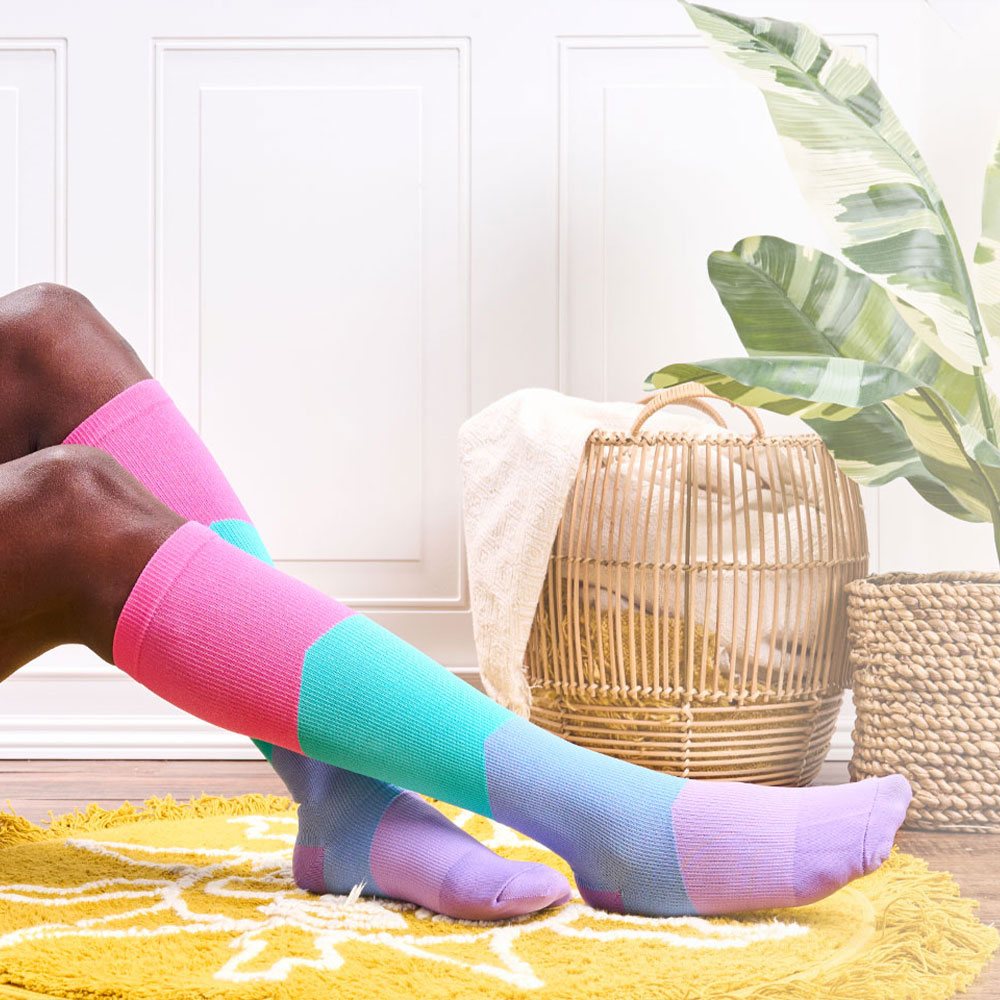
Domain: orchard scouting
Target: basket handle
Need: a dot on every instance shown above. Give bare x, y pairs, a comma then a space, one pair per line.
695, 395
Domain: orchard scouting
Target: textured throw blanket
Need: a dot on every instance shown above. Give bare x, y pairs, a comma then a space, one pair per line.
519, 458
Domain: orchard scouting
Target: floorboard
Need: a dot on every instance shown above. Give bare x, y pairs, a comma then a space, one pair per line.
36, 788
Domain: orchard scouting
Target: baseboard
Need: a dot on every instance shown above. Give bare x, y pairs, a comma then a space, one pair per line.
153, 730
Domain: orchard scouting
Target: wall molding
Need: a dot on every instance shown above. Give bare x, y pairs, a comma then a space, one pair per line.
175, 736
60, 133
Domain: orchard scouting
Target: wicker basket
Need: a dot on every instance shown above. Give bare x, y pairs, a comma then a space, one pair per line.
926, 651
692, 616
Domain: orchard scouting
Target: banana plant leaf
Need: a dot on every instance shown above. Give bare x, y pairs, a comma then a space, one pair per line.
787, 299
834, 390
858, 168
952, 451
873, 448
829, 388
986, 260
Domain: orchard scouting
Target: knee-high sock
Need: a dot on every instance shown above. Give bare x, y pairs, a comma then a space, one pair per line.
241, 644
352, 828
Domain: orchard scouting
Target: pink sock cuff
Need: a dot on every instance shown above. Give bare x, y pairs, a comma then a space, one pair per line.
149, 591
129, 405
143, 429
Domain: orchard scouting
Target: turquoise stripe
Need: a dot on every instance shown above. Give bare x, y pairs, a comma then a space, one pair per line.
431, 726
244, 536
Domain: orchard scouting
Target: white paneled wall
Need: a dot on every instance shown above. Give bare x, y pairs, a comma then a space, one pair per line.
336, 230
32, 160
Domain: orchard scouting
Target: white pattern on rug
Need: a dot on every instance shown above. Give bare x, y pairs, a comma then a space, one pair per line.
335, 919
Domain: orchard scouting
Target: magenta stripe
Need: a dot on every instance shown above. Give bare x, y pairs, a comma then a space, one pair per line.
201, 613
143, 429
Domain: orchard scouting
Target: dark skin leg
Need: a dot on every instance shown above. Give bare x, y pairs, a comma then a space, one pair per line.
61, 360
75, 528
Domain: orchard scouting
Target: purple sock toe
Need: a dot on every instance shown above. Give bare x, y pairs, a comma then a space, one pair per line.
892, 796
536, 886
829, 837
480, 887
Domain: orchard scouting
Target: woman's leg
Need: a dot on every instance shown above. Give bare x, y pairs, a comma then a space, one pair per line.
72, 377
244, 646
73, 528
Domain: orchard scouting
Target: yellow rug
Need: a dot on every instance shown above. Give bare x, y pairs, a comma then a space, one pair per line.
196, 901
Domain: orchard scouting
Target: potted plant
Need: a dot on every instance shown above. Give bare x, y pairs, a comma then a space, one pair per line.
883, 355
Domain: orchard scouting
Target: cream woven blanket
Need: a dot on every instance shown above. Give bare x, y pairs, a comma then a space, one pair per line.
518, 459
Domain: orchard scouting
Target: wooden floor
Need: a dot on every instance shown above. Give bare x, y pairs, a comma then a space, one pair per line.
33, 788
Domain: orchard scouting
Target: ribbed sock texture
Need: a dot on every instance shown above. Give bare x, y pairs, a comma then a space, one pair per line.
352, 829
241, 644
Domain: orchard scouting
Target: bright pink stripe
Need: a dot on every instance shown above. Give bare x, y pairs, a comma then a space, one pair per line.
222, 635
143, 429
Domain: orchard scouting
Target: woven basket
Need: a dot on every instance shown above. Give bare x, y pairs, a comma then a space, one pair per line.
926, 653
692, 616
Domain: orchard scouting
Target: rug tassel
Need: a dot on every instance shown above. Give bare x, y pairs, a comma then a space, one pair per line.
16, 829
922, 959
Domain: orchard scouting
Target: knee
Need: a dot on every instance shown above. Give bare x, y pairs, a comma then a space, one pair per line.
66, 483
81, 498
60, 359
87, 527
34, 318
36, 305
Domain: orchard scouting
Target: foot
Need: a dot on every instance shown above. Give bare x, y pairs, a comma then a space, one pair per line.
404, 849
643, 842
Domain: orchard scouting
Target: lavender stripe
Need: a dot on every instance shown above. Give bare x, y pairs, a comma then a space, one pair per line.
736, 842
413, 848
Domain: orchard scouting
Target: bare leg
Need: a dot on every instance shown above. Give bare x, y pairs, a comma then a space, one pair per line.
75, 532
61, 360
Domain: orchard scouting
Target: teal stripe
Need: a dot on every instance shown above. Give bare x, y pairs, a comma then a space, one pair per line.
245, 536
431, 727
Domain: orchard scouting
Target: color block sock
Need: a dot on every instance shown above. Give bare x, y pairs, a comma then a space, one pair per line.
241, 644
352, 828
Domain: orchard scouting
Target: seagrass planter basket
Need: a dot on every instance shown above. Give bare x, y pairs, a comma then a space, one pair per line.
925, 650
692, 617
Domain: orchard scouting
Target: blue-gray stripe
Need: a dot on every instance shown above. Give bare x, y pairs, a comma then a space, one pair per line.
609, 819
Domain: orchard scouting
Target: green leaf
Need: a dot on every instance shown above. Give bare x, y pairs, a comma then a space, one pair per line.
986, 260
858, 168
784, 298
832, 393
827, 388
952, 451
872, 447
788, 299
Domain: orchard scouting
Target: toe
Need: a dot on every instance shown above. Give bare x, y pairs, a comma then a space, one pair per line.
535, 887
892, 796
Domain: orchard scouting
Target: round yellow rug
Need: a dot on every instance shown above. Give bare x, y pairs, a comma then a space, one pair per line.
178, 901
